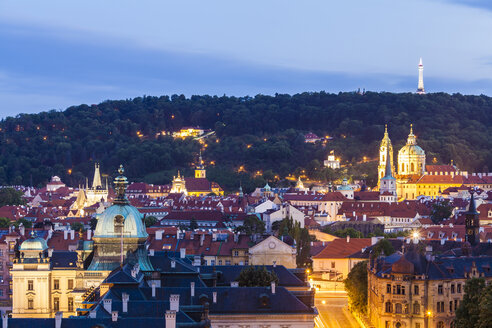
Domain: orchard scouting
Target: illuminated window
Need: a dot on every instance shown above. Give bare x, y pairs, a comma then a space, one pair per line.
236, 253
30, 304
70, 304
388, 307
228, 262
56, 284
30, 285
70, 283
56, 304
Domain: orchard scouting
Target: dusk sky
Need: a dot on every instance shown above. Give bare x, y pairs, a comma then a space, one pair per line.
54, 54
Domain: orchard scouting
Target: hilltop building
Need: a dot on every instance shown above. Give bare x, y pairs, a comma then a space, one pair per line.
197, 186
332, 162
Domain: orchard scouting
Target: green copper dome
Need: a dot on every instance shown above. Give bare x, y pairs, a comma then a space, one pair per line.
34, 244
120, 219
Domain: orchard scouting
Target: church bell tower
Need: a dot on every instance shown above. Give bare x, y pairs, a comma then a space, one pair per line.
200, 171
472, 223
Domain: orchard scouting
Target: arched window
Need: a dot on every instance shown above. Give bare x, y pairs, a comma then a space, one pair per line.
402, 167
412, 168
440, 324
388, 307
397, 308
416, 308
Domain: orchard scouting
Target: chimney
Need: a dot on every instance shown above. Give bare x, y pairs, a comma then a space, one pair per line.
236, 238
273, 287
182, 253
234, 284
192, 285
173, 264
72, 234
214, 297
89, 234
58, 319
348, 239
153, 289
65, 234
125, 297
364, 217
158, 234
114, 316
50, 252
202, 238
151, 252
107, 304
174, 302
170, 319
5, 320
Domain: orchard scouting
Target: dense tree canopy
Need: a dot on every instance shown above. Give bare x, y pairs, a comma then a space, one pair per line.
252, 276
468, 313
10, 196
356, 287
260, 134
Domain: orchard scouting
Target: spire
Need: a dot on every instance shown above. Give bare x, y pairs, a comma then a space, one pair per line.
472, 209
120, 183
97, 177
412, 140
387, 170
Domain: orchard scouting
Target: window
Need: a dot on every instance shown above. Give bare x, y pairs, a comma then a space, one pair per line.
56, 284
440, 324
333, 265
440, 307
416, 290
70, 304
1, 252
1, 266
450, 306
387, 324
30, 285
417, 325
452, 288
228, 262
70, 283
1, 292
403, 290
388, 288
388, 307
439, 289
236, 253
220, 262
455, 304
56, 304
398, 308
30, 304
416, 308
458, 288
212, 262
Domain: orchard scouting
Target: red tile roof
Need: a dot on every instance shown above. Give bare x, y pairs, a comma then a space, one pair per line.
341, 248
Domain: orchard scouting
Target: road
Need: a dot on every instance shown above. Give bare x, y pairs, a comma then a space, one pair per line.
333, 313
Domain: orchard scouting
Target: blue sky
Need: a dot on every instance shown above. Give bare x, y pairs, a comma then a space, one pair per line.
54, 54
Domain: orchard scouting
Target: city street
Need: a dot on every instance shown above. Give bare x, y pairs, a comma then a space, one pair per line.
333, 313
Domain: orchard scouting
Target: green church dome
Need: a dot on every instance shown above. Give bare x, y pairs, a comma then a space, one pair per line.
33, 244
120, 219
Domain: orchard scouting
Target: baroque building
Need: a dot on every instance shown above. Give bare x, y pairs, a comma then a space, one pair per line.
89, 196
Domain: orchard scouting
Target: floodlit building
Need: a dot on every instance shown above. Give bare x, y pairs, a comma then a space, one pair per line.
332, 162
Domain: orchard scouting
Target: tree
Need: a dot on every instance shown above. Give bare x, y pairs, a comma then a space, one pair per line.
382, 247
193, 224
485, 316
440, 211
252, 225
150, 221
303, 243
356, 287
468, 313
26, 223
4, 223
252, 276
10, 196
93, 223
77, 226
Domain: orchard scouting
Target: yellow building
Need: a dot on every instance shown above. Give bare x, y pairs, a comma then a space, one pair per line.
197, 186
383, 149
273, 251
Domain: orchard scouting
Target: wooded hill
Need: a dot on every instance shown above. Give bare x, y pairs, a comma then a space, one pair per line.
66, 143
